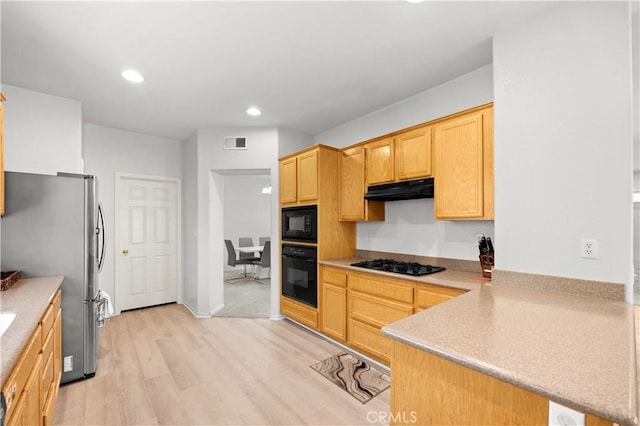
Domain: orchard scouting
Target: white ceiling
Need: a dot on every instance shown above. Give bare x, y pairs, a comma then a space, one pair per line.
308, 65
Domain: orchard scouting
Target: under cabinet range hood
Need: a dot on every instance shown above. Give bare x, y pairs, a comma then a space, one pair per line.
405, 190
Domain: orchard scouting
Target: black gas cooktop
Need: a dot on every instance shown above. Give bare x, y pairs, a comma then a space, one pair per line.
406, 268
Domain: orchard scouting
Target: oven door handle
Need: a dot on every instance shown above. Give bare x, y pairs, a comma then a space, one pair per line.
300, 258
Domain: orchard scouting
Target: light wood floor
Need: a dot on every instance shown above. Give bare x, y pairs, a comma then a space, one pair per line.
163, 366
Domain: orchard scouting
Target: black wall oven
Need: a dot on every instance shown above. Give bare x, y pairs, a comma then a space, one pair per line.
299, 273
300, 224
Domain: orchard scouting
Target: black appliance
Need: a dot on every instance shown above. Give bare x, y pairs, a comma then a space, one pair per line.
406, 268
405, 190
299, 273
300, 224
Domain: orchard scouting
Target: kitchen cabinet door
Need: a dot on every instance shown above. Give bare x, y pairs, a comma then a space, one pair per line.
308, 176
333, 303
33, 395
464, 167
380, 161
353, 206
413, 154
288, 180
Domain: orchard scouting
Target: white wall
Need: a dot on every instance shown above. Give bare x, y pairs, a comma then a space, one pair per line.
291, 140
108, 151
212, 164
410, 226
42, 133
247, 211
563, 142
190, 221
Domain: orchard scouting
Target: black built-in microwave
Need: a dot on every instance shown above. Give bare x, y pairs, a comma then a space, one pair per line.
300, 224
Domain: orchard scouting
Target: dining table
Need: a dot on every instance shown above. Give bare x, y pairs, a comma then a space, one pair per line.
250, 249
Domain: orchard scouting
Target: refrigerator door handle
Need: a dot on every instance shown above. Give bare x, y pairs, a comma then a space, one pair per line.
100, 230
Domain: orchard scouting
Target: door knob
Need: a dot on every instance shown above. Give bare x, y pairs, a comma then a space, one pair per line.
125, 251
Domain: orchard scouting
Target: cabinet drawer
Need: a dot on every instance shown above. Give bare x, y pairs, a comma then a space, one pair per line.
301, 313
370, 340
334, 276
47, 321
431, 295
376, 311
388, 288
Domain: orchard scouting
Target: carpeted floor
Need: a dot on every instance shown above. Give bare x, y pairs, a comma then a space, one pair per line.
245, 298
358, 378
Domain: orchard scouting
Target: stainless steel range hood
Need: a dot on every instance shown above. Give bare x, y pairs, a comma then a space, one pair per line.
406, 190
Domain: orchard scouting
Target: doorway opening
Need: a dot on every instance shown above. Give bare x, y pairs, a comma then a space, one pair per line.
247, 223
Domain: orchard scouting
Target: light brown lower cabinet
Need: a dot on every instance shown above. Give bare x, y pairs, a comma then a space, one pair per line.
373, 302
333, 303
430, 390
302, 313
31, 389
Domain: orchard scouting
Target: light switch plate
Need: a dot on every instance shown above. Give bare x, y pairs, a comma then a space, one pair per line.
559, 415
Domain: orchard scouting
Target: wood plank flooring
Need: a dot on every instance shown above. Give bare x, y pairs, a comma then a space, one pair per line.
163, 366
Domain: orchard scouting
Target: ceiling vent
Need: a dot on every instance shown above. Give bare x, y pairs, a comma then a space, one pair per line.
234, 142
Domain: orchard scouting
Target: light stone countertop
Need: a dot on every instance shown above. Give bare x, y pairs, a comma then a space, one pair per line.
28, 299
575, 350
578, 351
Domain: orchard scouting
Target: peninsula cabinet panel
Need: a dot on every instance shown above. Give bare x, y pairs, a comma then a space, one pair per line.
308, 176
380, 161
353, 206
437, 391
413, 154
464, 166
288, 180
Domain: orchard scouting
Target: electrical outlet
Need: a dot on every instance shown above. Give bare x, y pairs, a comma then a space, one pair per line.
589, 247
559, 415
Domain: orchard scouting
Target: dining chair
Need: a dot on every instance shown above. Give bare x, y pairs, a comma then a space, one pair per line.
232, 260
247, 242
265, 261
264, 240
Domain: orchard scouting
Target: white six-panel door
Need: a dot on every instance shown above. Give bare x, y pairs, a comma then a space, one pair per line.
148, 247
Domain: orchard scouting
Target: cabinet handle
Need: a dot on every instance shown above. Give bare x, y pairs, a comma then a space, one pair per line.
125, 251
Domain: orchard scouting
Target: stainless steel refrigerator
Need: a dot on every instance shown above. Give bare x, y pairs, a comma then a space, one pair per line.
53, 225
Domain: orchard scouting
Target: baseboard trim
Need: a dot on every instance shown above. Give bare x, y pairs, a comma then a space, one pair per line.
193, 311
348, 349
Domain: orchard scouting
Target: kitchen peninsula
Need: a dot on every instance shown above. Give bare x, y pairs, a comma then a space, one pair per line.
502, 351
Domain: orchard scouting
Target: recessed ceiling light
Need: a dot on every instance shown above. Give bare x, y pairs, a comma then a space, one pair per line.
253, 111
133, 76
415, 1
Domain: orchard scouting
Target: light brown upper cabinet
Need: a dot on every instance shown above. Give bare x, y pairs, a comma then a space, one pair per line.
299, 178
413, 154
353, 186
289, 180
463, 160
308, 176
380, 161
2, 99
405, 156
